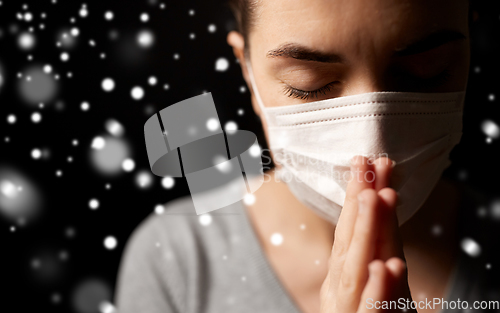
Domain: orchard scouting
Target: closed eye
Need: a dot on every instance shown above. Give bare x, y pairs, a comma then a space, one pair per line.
304, 95
435, 81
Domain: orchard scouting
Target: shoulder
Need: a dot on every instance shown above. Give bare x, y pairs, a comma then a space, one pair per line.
479, 216
480, 210
479, 235
149, 278
179, 231
168, 252
163, 232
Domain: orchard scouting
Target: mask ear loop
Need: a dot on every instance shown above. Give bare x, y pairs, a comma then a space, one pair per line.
259, 100
254, 87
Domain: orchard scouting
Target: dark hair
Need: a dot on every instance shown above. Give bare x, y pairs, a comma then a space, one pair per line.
244, 11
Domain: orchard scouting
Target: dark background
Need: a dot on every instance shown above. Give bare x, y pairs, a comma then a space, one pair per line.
46, 260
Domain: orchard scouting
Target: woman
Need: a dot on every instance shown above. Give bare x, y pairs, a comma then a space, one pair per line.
287, 252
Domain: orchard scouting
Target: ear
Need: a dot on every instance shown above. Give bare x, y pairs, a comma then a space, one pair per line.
237, 42
235, 39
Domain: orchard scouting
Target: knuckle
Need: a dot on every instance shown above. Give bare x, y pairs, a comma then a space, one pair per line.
347, 284
352, 200
327, 297
377, 268
398, 264
359, 160
382, 161
388, 190
339, 249
369, 194
325, 288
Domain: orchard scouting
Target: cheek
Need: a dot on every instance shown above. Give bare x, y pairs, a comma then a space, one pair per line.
256, 109
459, 71
255, 106
465, 67
460, 66
264, 128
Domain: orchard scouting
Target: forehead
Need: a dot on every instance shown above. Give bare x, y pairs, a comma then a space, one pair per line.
354, 26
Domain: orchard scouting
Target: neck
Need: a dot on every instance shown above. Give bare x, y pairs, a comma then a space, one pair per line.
437, 218
278, 205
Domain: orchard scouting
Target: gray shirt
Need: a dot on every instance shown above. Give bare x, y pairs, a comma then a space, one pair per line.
180, 262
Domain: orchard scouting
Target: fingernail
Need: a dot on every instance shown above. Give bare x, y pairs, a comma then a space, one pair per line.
393, 163
361, 204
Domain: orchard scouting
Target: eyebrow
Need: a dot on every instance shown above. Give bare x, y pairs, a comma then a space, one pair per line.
433, 40
301, 52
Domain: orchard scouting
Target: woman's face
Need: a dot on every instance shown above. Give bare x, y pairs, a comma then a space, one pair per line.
309, 50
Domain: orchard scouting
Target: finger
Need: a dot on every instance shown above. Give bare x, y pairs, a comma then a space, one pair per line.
361, 168
376, 289
345, 226
396, 267
398, 277
383, 170
361, 251
389, 243
389, 197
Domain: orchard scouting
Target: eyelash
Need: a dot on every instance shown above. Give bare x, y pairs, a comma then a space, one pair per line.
304, 95
439, 79
419, 83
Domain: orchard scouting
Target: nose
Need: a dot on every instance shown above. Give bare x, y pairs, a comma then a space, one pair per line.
366, 79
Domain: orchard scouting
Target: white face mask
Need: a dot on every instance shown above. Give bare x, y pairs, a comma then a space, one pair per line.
314, 143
